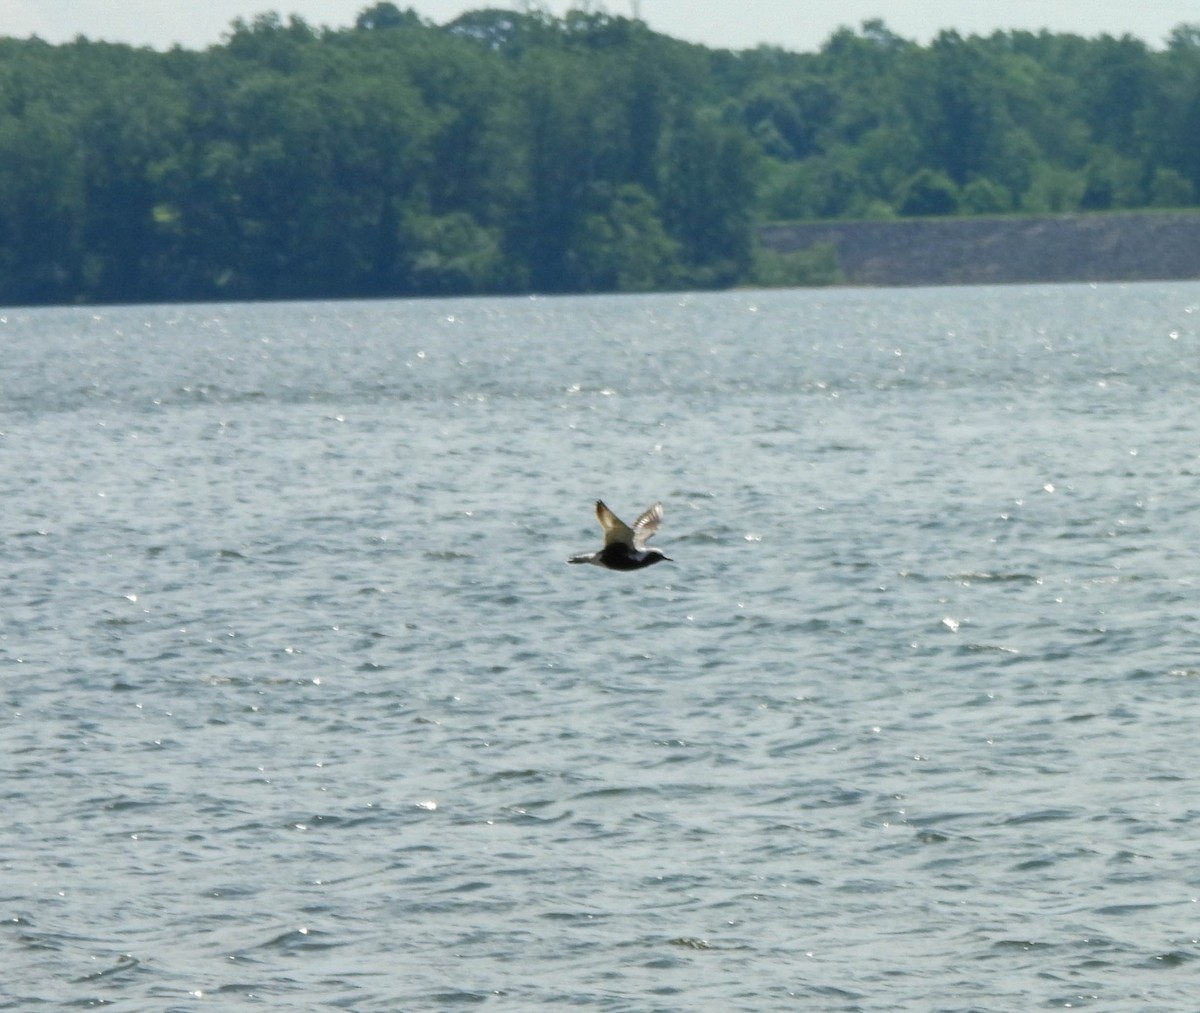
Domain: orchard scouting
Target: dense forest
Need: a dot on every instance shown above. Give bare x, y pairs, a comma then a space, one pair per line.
509, 152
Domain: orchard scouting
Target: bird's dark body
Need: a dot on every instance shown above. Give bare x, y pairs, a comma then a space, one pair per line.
618, 557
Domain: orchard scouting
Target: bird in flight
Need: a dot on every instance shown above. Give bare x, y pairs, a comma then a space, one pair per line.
624, 546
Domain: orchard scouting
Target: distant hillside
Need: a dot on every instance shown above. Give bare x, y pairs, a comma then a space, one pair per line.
975, 251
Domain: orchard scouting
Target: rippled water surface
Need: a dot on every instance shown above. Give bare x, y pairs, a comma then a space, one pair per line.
302, 709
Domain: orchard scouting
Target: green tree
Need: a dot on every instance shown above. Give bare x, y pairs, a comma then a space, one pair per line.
623, 246
929, 192
1168, 189
41, 207
959, 107
815, 266
387, 15
453, 255
1176, 124
557, 118
1112, 181
984, 197
1054, 190
130, 123
710, 168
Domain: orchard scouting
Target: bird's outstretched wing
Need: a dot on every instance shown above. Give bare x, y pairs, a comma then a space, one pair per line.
615, 529
645, 527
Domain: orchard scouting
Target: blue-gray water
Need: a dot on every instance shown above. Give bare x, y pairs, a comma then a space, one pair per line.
302, 709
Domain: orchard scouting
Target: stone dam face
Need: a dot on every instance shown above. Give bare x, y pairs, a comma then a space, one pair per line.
979, 251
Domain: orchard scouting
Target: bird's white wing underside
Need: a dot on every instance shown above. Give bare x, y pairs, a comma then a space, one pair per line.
645, 526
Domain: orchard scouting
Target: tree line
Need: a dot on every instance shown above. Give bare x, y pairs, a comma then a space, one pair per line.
510, 152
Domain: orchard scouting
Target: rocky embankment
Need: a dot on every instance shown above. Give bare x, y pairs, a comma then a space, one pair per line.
980, 251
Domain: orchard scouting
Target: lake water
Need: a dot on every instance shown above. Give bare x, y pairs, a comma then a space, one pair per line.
302, 709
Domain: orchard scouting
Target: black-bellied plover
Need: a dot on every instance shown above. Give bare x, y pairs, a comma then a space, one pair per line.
624, 546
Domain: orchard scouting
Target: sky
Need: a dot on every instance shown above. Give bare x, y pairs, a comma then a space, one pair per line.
800, 25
